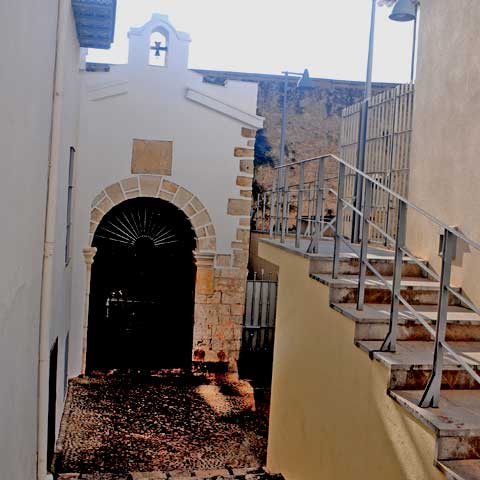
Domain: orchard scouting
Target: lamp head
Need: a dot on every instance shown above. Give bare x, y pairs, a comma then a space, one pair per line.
305, 81
404, 11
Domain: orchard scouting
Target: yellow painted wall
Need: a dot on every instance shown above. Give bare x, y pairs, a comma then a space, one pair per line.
331, 418
258, 264
445, 168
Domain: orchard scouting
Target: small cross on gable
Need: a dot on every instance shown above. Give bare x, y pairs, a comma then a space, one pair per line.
158, 48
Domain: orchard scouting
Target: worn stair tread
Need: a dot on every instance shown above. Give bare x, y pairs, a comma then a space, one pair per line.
457, 415
419, 354
460, 469
380, 313
373, 282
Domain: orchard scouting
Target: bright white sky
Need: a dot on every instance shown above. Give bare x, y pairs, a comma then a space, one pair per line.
329, 37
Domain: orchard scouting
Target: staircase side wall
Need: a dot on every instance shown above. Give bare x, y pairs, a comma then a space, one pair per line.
330, 414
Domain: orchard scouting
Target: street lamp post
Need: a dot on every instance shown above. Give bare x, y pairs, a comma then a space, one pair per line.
304, 82
362, 134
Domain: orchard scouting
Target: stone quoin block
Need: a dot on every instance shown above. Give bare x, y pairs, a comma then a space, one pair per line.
200, 219
105, 205
239, 207
210, 230
205, 275
246, 193
182, 197
243, 235
96, 215
244, 181
197, 204
169, 186
165, 196
130, 184
246, 166
132, 193
97, 199
244, 222
248, 132
240, 258
223, 260
115, 192
152, 156
239, 245
207, 243
251, 143
149, 185
189, 210
244, 152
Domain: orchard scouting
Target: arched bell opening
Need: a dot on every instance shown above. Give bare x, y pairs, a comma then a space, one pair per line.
142, 288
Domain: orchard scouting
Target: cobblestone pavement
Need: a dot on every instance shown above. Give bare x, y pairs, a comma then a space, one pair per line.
121, 424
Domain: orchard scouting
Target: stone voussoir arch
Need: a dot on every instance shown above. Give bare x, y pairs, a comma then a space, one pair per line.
155, 186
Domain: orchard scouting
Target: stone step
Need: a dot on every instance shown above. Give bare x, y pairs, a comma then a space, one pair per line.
415, 290
460, 469
372, 322
350, 265
218, 474
411, 365
456, 422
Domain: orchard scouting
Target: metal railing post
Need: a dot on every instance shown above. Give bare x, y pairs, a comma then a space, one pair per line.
284, 225
264, 206
390, 342
278, 197
431, 396
257, 208
339, 220
367, 206
300, 205
314, 243
271, 222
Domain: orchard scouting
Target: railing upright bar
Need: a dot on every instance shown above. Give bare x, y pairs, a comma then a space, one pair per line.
278, 202
431, 396
339, 223
320, 178
257, 213
284, 223
390, 342
264, 206
367, 207
300, 205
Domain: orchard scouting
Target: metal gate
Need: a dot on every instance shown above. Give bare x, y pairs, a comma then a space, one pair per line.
258, 328
387, 156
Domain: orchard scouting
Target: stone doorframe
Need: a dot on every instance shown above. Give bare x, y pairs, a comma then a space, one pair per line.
154, 186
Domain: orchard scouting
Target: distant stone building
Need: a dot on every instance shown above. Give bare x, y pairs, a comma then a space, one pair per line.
313, 117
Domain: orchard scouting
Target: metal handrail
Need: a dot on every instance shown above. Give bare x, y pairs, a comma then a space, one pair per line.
420, 210
363, 208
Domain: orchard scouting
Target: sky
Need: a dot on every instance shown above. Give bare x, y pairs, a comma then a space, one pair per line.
329, 37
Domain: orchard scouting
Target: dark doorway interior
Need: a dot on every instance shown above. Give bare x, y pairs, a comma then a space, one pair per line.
142, 288
52, 402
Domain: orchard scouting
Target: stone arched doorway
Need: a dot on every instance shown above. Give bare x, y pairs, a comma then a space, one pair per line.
141, 311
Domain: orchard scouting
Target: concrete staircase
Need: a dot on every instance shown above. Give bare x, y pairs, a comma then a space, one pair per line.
456, 423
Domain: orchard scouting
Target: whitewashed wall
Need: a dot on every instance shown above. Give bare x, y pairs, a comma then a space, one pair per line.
28, 37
